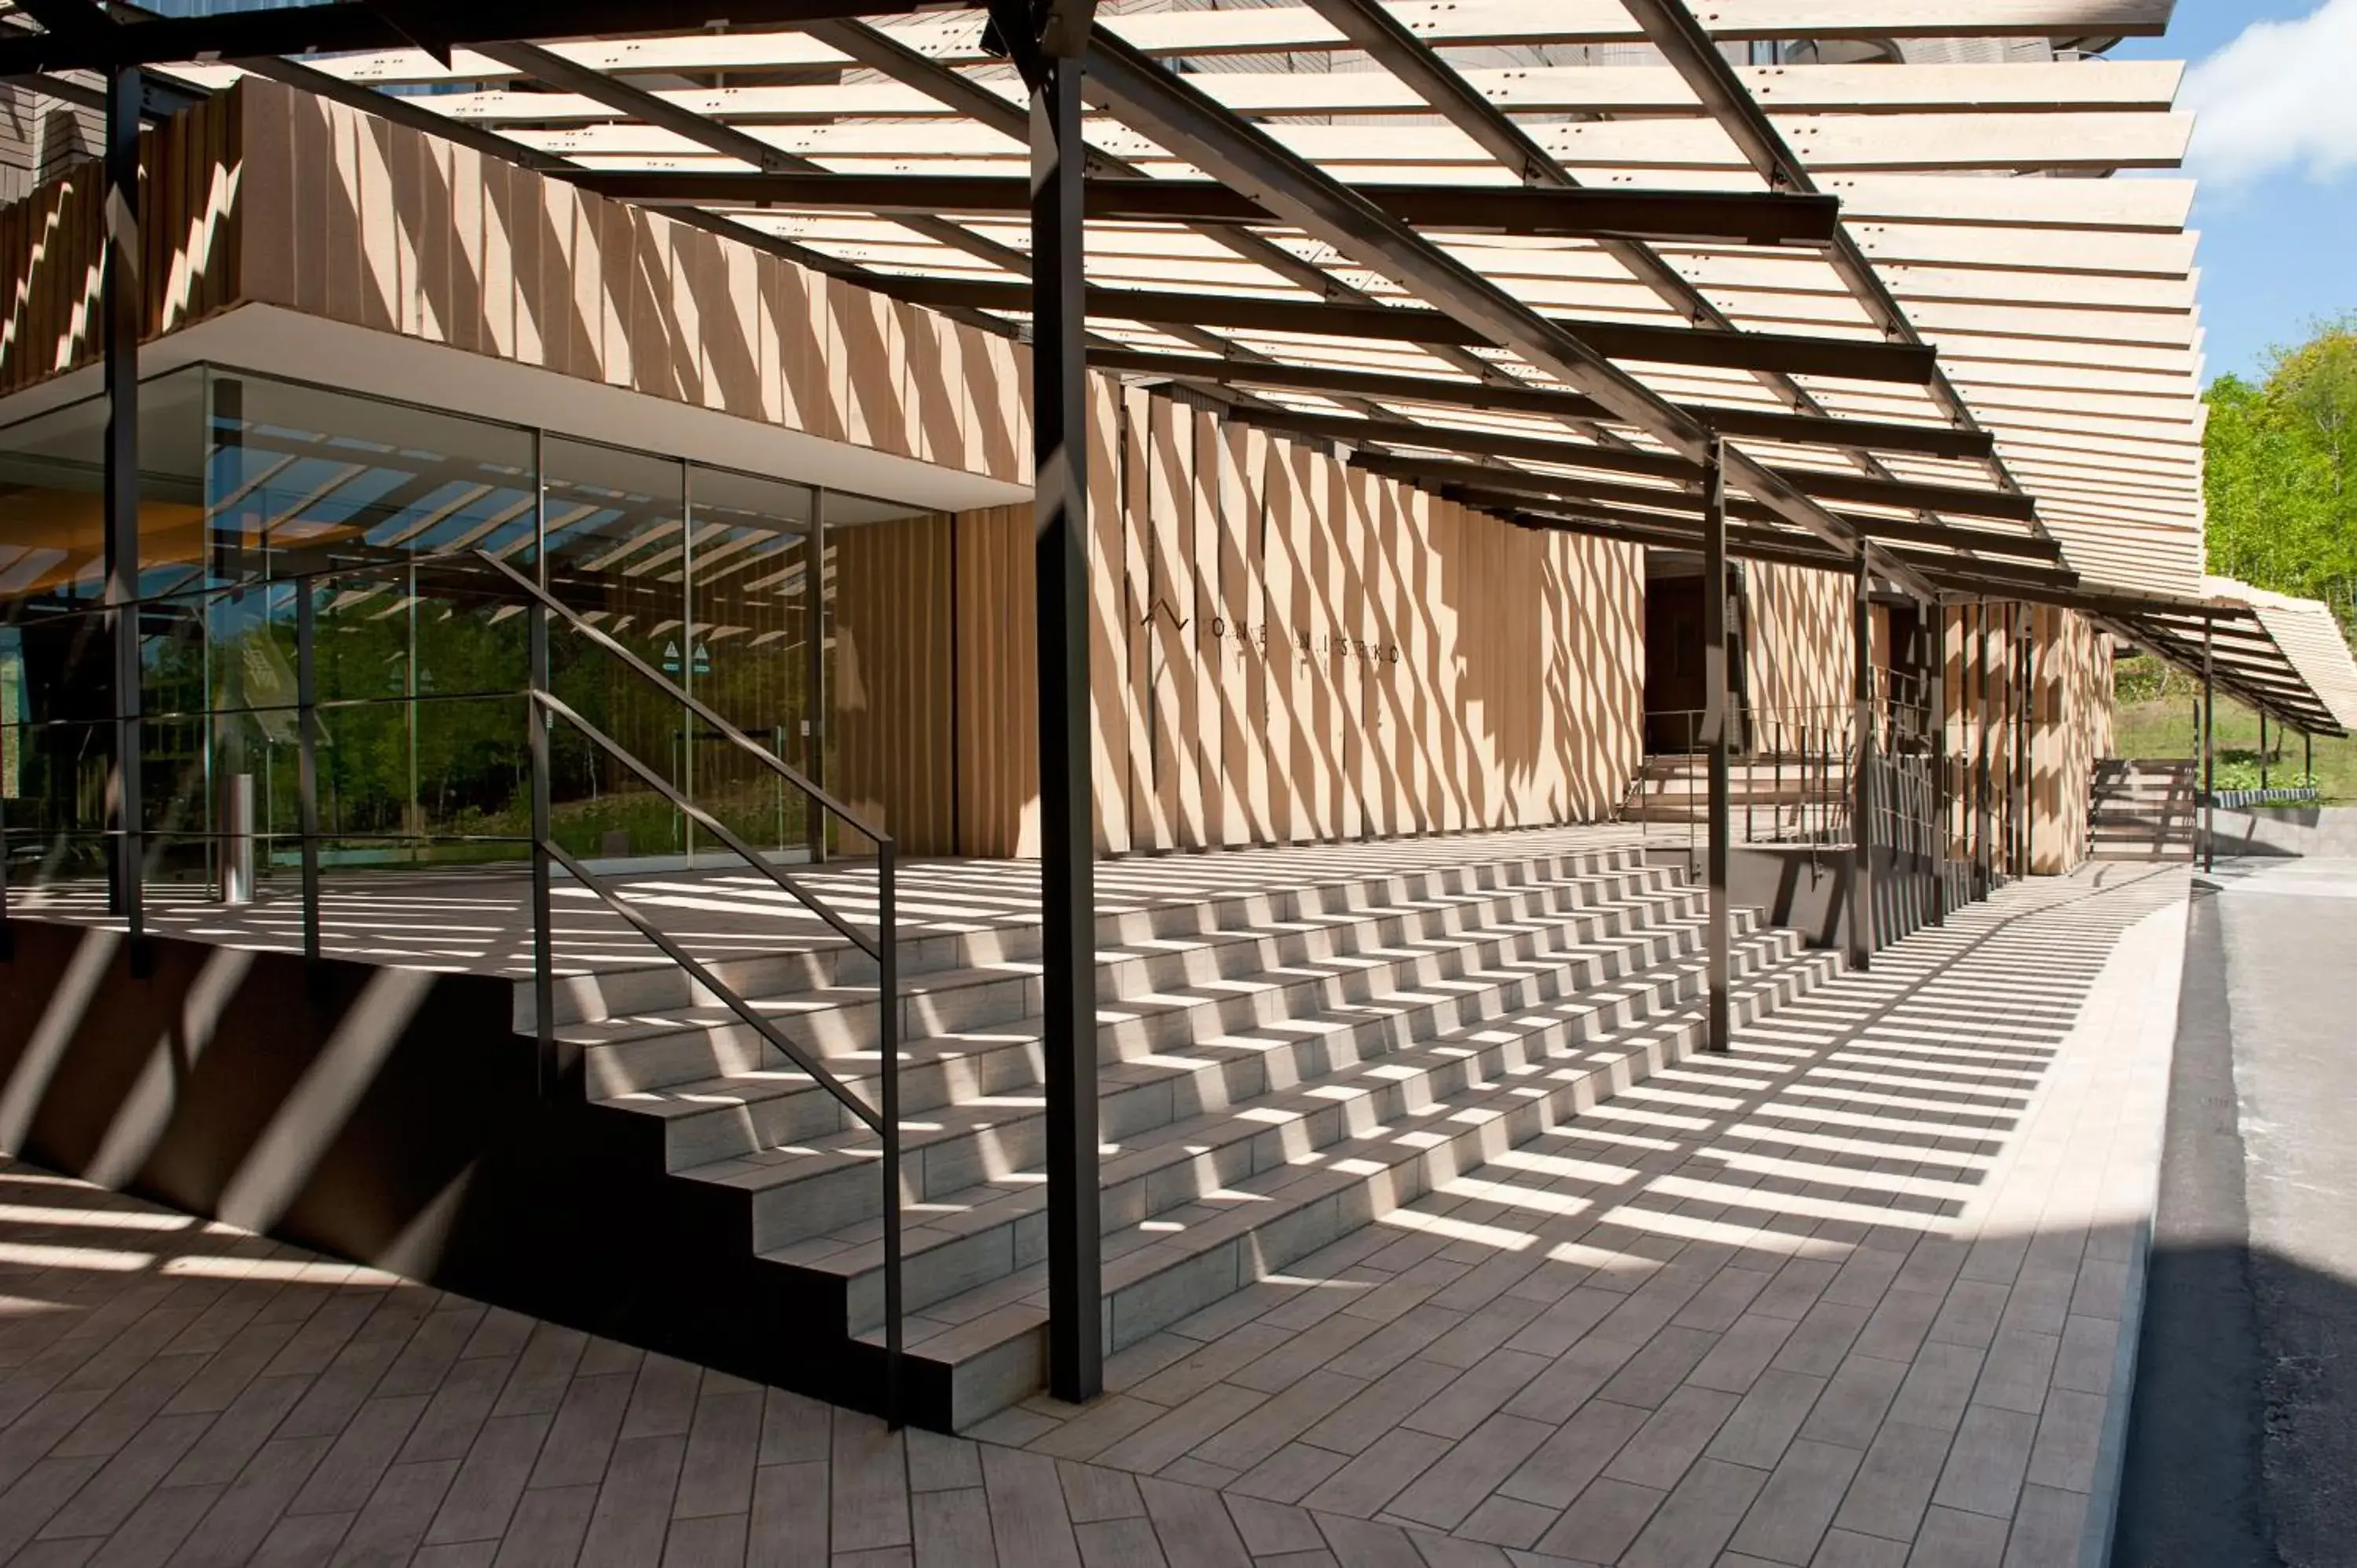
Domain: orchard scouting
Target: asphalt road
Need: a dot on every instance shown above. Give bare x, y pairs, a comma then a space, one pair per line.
2242, 1447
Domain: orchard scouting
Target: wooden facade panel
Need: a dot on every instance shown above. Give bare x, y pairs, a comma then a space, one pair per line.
892, 702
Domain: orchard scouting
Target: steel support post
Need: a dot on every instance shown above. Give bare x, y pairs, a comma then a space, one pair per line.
123, 306
1936, 717
814, 673
2262, 749
1861, 792
1718, 719
306, 756
1983, 812
535, 729
1067, 872
2209, 752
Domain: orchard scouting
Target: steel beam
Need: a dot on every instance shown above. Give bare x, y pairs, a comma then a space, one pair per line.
123, 309
1718, 721
1441, 470
1700, 217
1765, 425
337, 26
1052, 68
1848, 359
1861, 835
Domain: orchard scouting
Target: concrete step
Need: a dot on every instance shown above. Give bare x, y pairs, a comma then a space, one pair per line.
693, 1045
1529, 1073
827, 1183
1378, 991
615, 993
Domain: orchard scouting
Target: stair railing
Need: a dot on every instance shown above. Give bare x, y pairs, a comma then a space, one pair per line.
882, 1117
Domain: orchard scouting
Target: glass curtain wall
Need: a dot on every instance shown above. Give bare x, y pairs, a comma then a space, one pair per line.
254, 491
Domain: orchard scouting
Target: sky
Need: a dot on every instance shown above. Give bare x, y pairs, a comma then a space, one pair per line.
2273, 85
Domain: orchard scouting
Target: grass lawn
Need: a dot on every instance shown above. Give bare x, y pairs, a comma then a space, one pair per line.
2164, 727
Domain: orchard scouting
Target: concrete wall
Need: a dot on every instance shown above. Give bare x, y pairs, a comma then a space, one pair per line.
2315, 830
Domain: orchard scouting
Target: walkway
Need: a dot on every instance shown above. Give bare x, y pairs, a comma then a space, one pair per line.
1852, 1296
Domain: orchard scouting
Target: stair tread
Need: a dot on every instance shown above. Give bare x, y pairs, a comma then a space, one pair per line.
960, 1214
674, 1023
1327, 1017
976, 1320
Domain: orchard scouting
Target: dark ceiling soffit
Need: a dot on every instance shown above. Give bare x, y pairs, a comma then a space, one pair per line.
307, 29
1705, 218
1848, 359
1795, 429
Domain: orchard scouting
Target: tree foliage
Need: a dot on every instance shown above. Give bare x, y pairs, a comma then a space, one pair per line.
2281, 472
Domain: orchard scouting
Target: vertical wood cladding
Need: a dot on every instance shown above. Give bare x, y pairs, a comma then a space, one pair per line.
1289, 650
891, 701
52, 241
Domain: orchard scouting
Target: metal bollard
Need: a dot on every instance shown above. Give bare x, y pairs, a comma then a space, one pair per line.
237, 839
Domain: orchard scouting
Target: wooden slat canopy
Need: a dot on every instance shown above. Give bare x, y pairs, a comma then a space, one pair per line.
1988, 356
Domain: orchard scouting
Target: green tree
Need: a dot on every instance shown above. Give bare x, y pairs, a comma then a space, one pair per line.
2282, 471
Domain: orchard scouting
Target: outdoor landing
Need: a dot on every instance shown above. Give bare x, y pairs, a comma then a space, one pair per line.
479, 921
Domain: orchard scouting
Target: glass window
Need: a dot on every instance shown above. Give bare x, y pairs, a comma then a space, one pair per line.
750, 647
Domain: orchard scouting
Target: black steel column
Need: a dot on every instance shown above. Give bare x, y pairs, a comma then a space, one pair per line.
1937, 718
1067, 872
1984, 809
2209, 755
1717, 720
122, 304
1861, 793
2262, 749
814, 671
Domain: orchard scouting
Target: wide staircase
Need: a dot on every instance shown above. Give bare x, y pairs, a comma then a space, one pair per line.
1279, 1069
1773, 797
2144, 808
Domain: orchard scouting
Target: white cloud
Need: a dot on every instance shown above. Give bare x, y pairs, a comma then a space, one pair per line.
2282, 95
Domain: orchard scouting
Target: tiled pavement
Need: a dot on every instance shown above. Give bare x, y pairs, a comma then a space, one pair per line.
1852, 1296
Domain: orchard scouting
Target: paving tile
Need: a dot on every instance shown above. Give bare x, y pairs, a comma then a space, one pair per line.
1456, 1484
1846, 1548
1381, 1405
1895, 1483
1672, 1437
1475, 1394
1120, 1544
450, 1422
788, 1528
1740, 1354
127, 1477
156, 1527
2070, 1434
1938, 1386
360, 1455
582, 1436
1852, 1407
1757, 1431
711, 1541
869, 1476
1193, 1526
1093, 1493
1267, 1529
716, 1477
1378, 1473
662, 1401
1502, 1521
2047, 1528
1822, 1338
1029, 1519
548, 1528
394, 1522
1604, 1520
1574, 1454
1790, 1517
794, 1428
1288, 1475
1270, 1427
241, 1518
952, 1528
1986, 1460
490, 1479
1182, 1430
1951, 1539
627, 1526
1694, 1521
1365, 1544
